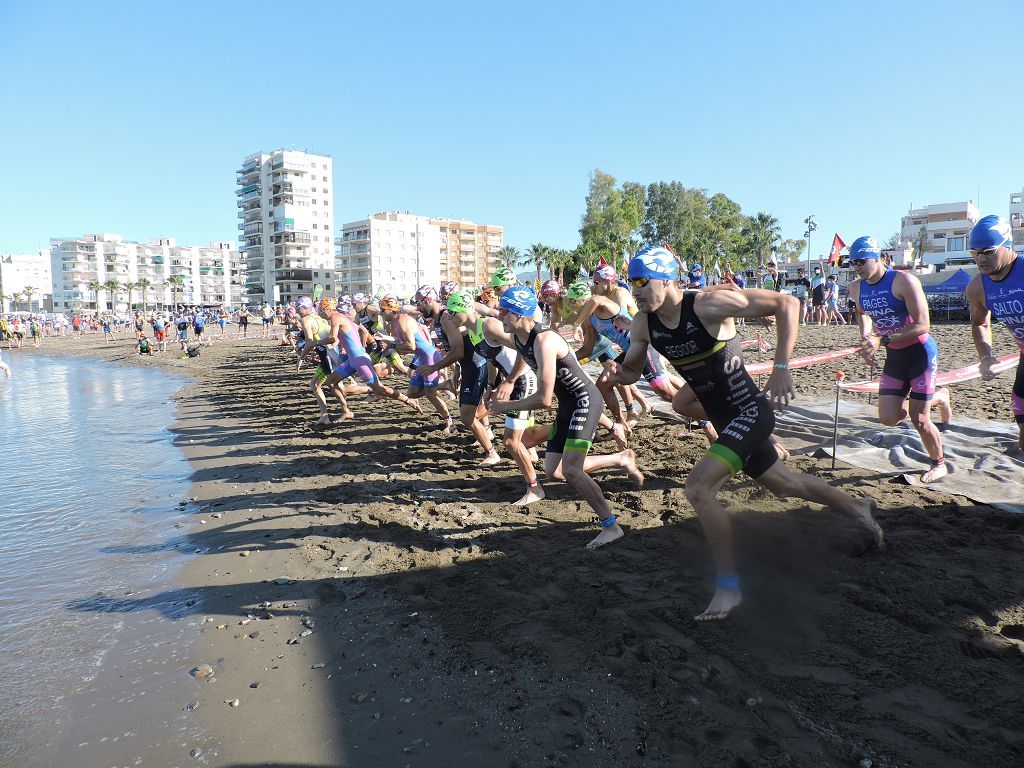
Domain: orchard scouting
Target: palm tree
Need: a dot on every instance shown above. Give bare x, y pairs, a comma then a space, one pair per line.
177, 282
96, 286
130, 287
143, 285
112, 287
536, 255
16, 297
29, 291
509, 255
763, 234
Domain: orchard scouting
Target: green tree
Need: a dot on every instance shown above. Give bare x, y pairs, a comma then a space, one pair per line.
671, 213
112, 287
613, 215
17, 297
130, 287
95, 286
29, 292
790, 251
762, 235
144, 286
509, 256
177, 282
894, 241
536, 255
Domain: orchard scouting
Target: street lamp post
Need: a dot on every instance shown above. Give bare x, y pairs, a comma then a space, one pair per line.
811, 226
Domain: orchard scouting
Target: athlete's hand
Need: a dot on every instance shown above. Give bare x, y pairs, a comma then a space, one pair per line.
780, 388
494, 405
868, 348
985, 367
503, 391
768, 321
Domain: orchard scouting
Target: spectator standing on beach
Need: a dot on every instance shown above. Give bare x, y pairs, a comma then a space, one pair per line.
267, 318
802, 290
199, 326
832, 312
243, 323
182, 323
697, 279
818, 294
108, 329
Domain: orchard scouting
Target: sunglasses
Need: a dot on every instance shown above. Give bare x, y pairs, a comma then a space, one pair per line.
858, 262
986, 251
639, 282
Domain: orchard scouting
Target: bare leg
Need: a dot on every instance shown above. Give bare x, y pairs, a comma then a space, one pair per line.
892, 410
521, 456
702, 486
570, 467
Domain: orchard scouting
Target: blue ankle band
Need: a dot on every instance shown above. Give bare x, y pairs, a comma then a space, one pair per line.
609, 522
728, 582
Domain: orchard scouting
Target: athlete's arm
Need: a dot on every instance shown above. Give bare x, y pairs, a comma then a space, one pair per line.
589, 340
451, 327
633, 364
715, 306
483, 309
547, 347
908, 288
583, 316
981, 326
405, 338
624, 299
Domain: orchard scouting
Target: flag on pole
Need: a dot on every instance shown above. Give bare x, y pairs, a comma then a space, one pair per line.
837, 247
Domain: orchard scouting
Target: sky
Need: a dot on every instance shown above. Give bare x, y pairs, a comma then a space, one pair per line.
132, 118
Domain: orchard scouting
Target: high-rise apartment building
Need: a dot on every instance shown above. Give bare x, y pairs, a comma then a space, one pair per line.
939, 232
210, 275
21, 271
388, 253
396, 253
469, 251
285, 214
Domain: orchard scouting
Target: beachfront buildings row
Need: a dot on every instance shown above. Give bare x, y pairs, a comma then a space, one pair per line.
25, 282
285, 218
81, 266
395, 253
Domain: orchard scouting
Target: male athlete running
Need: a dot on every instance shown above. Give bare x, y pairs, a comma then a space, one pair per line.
696, 332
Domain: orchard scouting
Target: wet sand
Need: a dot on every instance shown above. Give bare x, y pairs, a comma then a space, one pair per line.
450, 628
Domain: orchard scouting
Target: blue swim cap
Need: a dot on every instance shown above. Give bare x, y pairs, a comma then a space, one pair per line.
990, 232
519, 300
653, 262
865, 248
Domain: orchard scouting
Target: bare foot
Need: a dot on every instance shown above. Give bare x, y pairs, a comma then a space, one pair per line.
866, 515
780, 450
937, 472
325, 419
344, 417
629, 464
533, 493
449, 428
621, 435
606, 536
721, 605
490, 460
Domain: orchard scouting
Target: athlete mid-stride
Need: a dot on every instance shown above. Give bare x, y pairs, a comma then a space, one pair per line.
893, 313
561, 381
697, 333
998, 291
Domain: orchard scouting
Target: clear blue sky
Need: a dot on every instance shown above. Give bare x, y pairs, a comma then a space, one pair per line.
133, 117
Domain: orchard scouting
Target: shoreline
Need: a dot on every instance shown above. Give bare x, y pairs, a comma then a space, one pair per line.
454, 630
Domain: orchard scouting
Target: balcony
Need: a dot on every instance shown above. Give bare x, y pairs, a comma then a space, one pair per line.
248, 189
292, 274
300, 238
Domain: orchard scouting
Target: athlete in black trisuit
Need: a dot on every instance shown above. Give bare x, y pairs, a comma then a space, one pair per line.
559, 377
696, 332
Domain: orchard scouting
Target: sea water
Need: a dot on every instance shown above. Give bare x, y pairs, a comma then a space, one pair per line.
90, 481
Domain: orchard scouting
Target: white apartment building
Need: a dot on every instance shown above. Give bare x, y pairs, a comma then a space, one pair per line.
19, 271
395, 253
945, 230
210, 275
388, 252
1017, 220
286, 214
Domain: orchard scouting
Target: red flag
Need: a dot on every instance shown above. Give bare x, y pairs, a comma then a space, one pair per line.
837, 248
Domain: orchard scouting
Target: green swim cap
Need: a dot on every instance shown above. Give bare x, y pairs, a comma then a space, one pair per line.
578, 292
503, 277
460, 301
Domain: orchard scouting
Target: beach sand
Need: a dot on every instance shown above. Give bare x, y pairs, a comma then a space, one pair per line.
449, 628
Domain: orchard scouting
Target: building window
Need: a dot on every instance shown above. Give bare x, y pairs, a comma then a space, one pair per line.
955, 243
325, 178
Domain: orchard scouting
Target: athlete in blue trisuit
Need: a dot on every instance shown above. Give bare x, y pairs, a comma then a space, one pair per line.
998, 292
893, 313
697, 333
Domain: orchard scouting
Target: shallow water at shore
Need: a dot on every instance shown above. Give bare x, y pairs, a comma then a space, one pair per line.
91, 479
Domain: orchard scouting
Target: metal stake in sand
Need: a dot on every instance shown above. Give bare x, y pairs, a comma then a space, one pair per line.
760, 347
835, 422
871, 395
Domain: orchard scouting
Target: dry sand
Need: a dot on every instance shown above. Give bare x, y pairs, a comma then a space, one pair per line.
450, 628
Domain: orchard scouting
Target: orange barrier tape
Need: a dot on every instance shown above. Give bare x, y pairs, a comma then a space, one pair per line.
803, 362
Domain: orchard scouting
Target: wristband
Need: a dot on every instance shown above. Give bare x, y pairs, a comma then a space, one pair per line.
886, 340
782, 366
